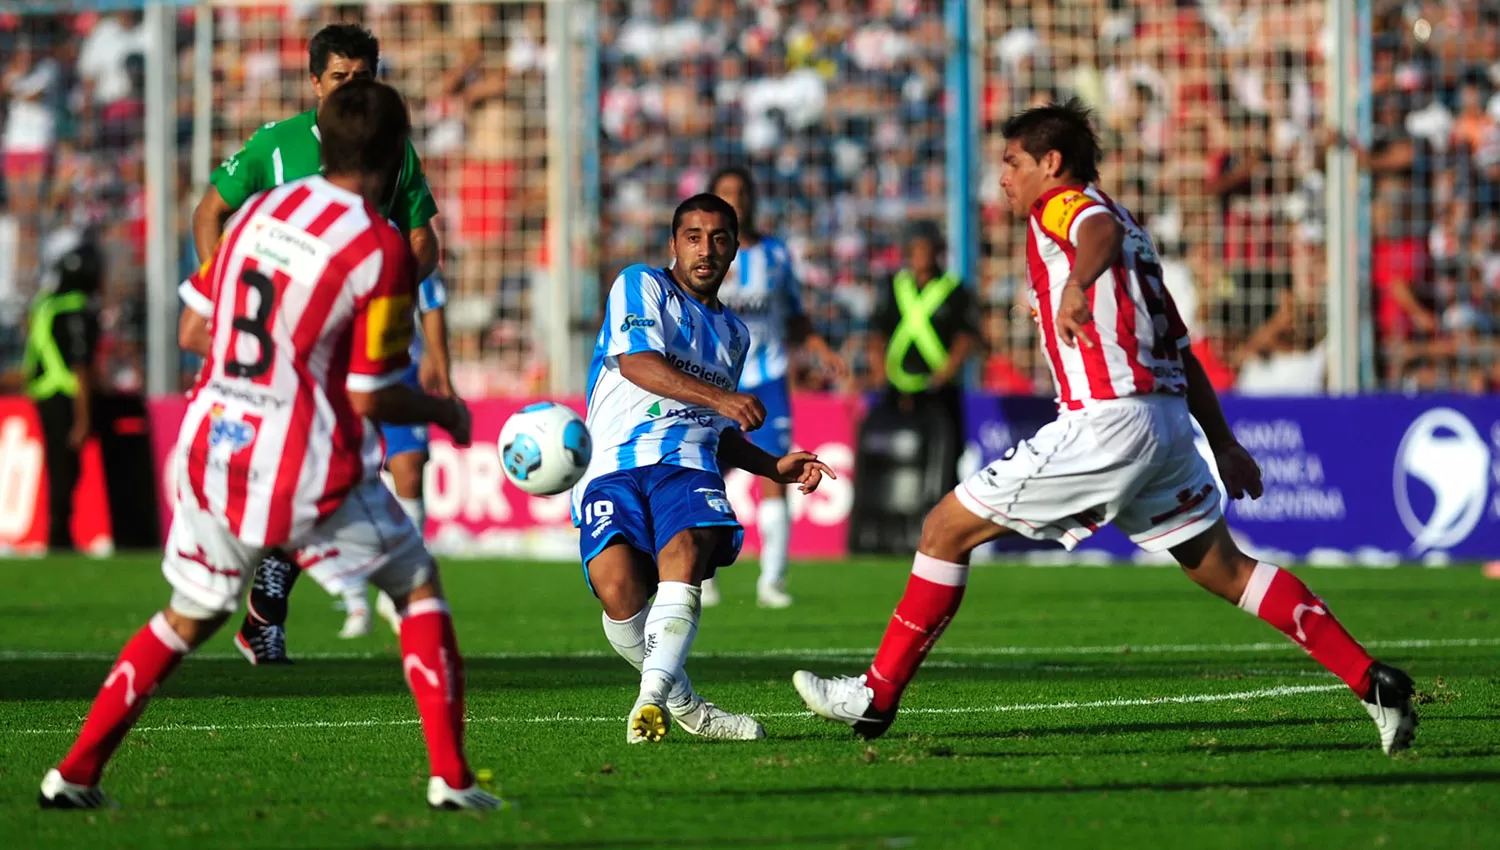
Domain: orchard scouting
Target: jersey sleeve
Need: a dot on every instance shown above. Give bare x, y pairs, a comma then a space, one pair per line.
633, 316
383, 327
1063, 212
247, 172
414, 205
1177, 330
197, 291
432, 294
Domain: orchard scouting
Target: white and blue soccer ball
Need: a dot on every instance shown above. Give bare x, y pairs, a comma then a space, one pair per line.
545, 448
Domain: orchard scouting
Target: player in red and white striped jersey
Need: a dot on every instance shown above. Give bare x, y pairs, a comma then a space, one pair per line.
310, 293
1133, 347
1122, 449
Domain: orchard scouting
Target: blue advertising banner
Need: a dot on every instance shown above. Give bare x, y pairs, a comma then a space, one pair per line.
1375, 480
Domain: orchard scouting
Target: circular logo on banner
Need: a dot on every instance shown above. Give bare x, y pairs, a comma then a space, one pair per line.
1444, 452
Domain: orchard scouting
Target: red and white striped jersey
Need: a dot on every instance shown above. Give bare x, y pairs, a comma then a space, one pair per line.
310, 297
1137, 333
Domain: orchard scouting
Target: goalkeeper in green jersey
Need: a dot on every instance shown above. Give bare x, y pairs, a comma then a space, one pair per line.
279, 152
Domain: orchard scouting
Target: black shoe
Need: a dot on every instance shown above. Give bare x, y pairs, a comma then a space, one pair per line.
58, 793
272, 588
1389, 702
262, 643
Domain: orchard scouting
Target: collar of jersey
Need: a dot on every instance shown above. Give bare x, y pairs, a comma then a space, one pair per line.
1055, 191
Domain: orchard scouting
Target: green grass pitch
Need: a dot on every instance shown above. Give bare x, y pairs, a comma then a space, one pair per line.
1077, 707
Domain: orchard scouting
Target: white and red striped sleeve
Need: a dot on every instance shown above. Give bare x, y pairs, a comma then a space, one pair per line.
383, 328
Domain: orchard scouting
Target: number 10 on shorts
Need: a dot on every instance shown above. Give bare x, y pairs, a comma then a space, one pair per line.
600, 510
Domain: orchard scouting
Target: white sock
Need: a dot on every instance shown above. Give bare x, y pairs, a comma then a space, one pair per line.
628, 637
355, 600
671, 624
414, 509
775, 526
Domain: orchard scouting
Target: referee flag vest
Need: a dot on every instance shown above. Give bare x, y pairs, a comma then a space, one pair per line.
917, 307
41, 348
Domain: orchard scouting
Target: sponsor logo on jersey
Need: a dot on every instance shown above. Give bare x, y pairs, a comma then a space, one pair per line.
1445, 453
716, 499
633, 321
287, 248
698, 370
234, 433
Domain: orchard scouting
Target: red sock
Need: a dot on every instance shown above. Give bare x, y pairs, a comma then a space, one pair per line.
1281, 599
932, 596
435, 672
145, 661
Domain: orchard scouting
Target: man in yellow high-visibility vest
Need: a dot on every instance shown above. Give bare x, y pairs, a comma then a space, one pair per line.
62, 336
926, 326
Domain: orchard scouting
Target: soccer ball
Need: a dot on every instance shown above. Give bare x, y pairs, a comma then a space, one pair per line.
545, 448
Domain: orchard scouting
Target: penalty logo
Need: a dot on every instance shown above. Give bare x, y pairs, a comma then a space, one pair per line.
1444, 452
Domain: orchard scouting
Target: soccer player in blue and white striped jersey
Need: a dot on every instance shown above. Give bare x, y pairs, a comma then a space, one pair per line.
665, 417
763, 290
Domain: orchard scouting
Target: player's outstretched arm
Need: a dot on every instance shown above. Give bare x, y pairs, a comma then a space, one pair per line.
1098, 247
1239, 471
651, 372
801, 468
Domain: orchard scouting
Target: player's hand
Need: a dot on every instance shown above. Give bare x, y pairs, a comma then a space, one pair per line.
433, 378
1239, 472
743, 408
1073, 315
803, 469
460, 425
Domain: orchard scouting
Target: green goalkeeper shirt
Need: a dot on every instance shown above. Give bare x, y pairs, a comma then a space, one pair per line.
283, 151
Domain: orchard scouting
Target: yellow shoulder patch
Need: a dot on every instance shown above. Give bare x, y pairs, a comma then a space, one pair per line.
388, 327
1062, 209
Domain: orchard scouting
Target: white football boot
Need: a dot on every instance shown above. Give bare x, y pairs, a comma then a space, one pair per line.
356, 623
773, 595
59, 793
440, 796
385, 606
845, 699
706, 720
710, 593
1389, 704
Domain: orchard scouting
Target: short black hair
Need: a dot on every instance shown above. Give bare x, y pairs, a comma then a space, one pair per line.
1067, 128
365, 128
350, 41
739, 171
709, 203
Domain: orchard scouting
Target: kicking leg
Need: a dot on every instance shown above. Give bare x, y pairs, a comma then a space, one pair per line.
1216, 564
145, 662
933, 593
624, 577
262, 636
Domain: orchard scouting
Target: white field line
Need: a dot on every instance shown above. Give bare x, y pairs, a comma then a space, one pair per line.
858, 653
1184, 699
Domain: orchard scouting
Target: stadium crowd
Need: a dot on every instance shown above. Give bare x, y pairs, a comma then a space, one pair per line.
1210, 111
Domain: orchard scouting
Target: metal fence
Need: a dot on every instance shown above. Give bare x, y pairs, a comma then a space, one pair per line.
1212, 113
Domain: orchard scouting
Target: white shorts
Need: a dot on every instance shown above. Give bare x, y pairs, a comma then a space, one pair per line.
1131, 462
369, 539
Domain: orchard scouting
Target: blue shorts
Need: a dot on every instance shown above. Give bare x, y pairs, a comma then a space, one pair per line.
774, 437
400, 439
650, 505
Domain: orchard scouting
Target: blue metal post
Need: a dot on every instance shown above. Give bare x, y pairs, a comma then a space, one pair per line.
962, 144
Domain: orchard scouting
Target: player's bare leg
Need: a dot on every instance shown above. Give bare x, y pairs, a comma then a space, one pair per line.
939, 575
145, 662
406, 479
625, 579
434, 671
1216, 564
775, 524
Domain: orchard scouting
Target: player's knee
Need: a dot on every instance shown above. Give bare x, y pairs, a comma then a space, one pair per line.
406, 474
685, 557
951, 531
409, 577
194, 625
